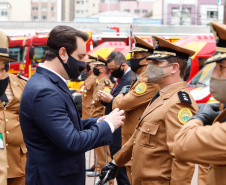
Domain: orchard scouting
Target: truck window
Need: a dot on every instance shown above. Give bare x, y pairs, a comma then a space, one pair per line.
202, 78
24, 55
202, 61
39, 52
16, 52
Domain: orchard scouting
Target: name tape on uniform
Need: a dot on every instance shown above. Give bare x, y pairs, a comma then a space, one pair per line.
1, 142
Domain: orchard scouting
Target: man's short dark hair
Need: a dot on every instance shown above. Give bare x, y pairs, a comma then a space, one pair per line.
63, 36
118, 58
182, 63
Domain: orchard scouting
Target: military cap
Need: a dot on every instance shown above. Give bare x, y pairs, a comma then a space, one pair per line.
4, 47
164, 49
219, 31
142, 46
100, 61
91, 58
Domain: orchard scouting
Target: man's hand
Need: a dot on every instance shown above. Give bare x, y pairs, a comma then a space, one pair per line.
207, 113
125, 89
112, 168
116, 117
105, 96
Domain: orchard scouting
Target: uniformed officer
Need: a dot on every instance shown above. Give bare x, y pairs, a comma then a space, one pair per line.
135, 98
202, 139
150, 149
12, 165
97, 109
89, 85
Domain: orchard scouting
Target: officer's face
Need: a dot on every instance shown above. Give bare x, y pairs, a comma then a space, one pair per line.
112, 66
3, 73
220, 70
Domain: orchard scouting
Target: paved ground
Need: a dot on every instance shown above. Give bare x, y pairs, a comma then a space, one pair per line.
91, 180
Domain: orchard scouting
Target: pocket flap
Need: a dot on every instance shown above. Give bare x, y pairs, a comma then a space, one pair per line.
23, 148
149, 128
67, 170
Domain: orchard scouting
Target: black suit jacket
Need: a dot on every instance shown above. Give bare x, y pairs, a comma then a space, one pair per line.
55, 136
126, 80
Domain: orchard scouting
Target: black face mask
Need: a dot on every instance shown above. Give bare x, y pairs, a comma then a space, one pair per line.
3, 85
118, 73
96, 71
88, 67
73, 67
135, 64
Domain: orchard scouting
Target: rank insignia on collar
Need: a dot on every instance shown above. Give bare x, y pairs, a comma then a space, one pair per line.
184, 97
184, 115
106, 82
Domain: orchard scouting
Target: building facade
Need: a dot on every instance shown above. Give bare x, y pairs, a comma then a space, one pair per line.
13, 10
192, 12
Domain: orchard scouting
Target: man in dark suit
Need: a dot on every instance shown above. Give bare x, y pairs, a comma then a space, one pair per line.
56, 137
119, 69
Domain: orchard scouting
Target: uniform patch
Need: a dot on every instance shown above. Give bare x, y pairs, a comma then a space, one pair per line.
184, 97
141, 88
184, 115
107, 90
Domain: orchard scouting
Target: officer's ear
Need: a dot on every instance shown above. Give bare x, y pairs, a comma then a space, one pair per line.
176, 68
63, 54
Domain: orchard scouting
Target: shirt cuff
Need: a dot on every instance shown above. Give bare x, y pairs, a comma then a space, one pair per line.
110, 125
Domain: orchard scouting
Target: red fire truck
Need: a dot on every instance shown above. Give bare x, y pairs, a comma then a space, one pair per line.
16, 51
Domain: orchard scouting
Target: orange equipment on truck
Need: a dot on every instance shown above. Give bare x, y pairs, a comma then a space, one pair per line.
16, 51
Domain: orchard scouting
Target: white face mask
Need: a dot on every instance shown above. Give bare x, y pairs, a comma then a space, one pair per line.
218, 88
155, 73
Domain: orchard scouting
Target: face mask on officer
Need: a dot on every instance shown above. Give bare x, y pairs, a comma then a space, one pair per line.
218, 88
88, 67
155, 73
135, 64
96, 71
118, 73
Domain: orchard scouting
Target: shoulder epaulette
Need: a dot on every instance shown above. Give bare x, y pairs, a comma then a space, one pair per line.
184, 97
106, 82
22, 77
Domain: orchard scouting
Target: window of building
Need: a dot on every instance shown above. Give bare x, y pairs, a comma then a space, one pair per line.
127, 10
35, 8
53, 0
186, 12
44, 8
35, 17
52, 8
44, 17
44, 0
144, 11
175, 12
4, 12
211, 14
34, 0
136, 11
79, 2
79, 11
102, 1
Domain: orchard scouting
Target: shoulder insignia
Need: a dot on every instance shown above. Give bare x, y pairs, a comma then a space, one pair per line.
184, 97
184, 115
141, 88
107, 90
22, 77
106, 82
